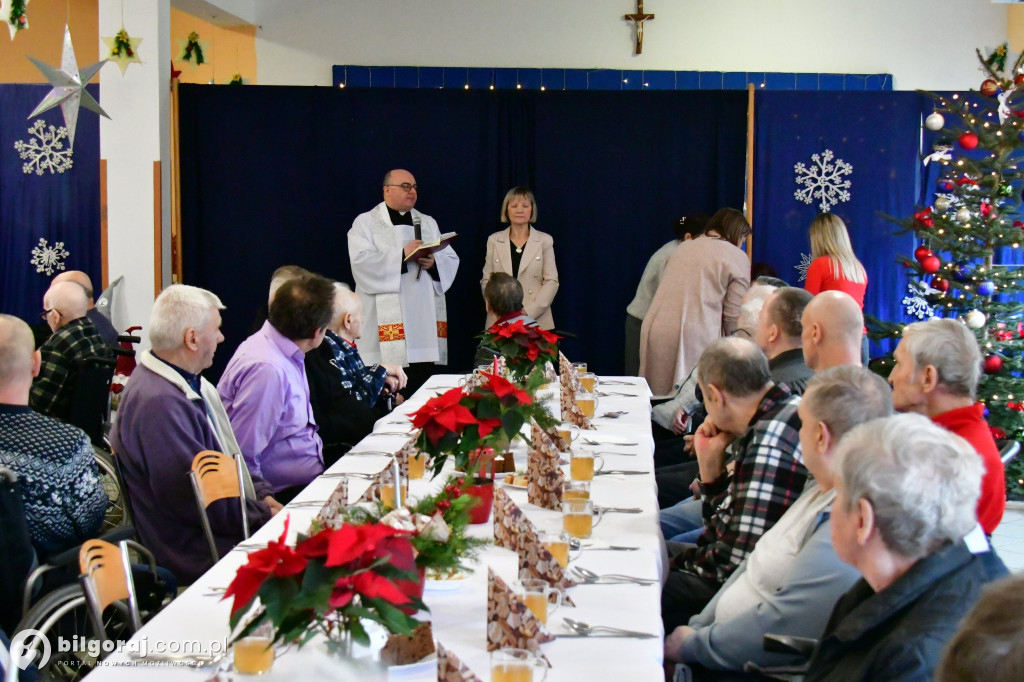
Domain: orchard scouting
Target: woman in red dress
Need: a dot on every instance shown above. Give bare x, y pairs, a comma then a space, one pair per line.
834, 267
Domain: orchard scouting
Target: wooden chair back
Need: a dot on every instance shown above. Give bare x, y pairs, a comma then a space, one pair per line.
106, 578
216, 476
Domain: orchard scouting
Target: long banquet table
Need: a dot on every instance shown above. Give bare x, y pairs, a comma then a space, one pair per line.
458, 611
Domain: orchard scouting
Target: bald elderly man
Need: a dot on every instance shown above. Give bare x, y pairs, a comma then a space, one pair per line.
60, 485
833, 329
74, 339
102, 322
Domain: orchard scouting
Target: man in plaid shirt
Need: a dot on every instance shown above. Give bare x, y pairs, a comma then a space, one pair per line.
753, 423
74, 339
346, 395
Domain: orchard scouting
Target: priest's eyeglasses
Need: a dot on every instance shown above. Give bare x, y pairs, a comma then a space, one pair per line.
406, 187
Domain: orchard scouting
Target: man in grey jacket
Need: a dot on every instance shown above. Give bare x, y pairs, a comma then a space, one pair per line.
786, 584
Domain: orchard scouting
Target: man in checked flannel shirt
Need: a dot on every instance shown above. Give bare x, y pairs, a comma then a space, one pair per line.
752, 423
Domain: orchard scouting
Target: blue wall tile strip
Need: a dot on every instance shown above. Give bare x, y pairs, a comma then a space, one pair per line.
597, 79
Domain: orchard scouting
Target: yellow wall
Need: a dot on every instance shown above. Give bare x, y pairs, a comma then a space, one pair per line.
229, 50
1015, 27
44, 39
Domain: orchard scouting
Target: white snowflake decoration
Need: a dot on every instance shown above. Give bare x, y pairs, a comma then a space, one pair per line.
45, 152
805, 262
915, 303
49, 258
823, 180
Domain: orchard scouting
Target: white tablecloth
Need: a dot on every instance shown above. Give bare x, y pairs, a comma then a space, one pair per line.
459, 615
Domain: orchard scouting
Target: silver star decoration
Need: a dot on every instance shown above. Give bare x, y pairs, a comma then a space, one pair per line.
68, 87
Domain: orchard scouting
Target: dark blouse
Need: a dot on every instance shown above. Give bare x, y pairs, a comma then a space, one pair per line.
517, 257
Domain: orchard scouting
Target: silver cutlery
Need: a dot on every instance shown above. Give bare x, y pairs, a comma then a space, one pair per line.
618, 510
609, 394
617, 382
614, 414
620, 472
575, 544
586, 630
618, 454
351, 453
591, 441
589, 577
391, 433
355, 474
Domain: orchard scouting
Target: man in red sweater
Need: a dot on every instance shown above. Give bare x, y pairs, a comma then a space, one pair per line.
938, 363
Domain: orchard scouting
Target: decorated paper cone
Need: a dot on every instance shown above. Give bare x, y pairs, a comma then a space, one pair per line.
509, 520
384, 477
545, 480
408, 450
331, 514
510, 623
451, 669
535, 561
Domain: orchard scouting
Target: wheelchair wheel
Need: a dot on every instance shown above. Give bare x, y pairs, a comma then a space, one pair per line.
61, 619
117, 510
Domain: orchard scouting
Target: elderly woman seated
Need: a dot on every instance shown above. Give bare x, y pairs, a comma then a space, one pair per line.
905, 498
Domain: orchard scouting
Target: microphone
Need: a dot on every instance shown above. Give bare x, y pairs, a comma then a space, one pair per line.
417, 234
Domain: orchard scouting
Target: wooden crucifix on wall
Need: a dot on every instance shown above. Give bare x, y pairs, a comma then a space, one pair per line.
638, 18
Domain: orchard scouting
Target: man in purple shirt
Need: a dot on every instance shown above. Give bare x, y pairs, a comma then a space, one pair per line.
265, 392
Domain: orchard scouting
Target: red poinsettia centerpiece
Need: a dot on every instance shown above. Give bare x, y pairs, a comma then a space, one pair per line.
327, 583
524, 347
487, 413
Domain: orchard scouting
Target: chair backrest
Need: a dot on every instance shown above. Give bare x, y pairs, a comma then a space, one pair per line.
106, 578
216, 476
90, 401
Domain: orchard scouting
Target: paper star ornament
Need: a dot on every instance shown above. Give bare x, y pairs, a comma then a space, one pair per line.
68, 87
124, 49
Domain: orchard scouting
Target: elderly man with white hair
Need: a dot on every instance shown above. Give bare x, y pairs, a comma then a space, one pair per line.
167, 415
74, 339
938, 364
905, 496
346, 395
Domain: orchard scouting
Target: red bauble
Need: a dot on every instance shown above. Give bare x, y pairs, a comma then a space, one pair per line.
993, 364
1018, 79
989, 87
968, 140
931, 264
922, 252
940, 284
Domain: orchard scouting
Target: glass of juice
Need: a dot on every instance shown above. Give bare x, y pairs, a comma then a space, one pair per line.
587, 403
254, 655
537, 594
578, 518
516, 665
581, 465
418, 465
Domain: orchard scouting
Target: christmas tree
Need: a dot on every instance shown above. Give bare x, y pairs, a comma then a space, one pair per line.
970, 233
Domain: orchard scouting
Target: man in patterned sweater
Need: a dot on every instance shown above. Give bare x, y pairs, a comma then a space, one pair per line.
74, 339
59, 481
753, 423
346, 395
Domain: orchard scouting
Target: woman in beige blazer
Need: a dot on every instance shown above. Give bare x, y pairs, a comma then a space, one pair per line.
525, 253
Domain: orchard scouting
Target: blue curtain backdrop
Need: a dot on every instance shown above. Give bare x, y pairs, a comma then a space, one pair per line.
275, 175
61, 207
879, 135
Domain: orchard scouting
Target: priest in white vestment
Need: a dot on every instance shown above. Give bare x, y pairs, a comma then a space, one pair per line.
403, 301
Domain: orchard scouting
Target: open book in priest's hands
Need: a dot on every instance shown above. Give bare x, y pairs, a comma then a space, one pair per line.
432, 247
